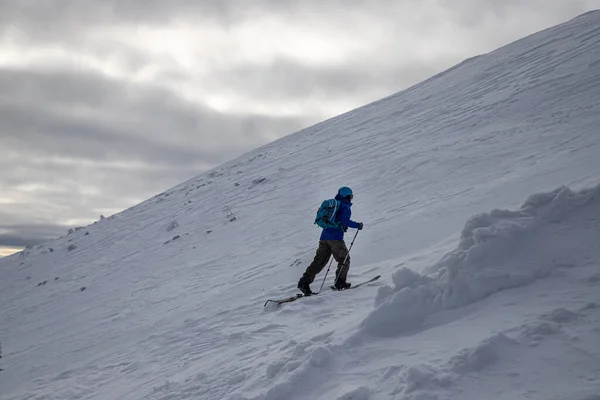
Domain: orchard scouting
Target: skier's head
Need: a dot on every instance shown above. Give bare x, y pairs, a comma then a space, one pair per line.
346, 193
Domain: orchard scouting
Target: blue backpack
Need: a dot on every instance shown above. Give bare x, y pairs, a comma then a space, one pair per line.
326, 214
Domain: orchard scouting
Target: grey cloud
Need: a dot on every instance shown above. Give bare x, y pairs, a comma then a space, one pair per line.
87, 116
84, 116
29, 235
54, 20
287, 79
72, 13
62, 192
473, 13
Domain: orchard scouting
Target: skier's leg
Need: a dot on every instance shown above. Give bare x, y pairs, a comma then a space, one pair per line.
321, 257
340, 253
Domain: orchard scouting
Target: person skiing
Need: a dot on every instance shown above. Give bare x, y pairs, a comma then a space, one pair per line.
331, 243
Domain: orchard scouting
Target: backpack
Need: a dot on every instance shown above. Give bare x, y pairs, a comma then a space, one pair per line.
326, 214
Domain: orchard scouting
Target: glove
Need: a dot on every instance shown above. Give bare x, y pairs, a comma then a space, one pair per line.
360, 226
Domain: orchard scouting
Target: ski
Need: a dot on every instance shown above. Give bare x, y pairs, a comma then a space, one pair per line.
286, 300
358, 285
300, 295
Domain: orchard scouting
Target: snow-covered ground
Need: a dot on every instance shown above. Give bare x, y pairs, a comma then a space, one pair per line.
479, 190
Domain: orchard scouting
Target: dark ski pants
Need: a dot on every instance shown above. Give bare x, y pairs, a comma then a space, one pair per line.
326, 249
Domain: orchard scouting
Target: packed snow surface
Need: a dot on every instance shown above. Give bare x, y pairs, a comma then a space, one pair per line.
479, 191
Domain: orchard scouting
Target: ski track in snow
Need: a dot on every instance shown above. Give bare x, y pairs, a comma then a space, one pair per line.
164, 301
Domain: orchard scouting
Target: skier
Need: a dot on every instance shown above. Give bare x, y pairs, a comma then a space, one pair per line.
332, 243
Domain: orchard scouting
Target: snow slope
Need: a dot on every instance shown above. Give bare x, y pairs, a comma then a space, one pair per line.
165, 300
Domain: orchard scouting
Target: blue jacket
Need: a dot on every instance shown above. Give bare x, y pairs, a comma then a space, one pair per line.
343, 216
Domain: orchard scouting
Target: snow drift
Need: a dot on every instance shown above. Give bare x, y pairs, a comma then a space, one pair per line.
498, 250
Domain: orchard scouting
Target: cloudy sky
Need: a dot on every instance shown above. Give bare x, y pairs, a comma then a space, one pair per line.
104, 103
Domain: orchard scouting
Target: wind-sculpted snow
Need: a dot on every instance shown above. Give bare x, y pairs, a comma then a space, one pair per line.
498, 250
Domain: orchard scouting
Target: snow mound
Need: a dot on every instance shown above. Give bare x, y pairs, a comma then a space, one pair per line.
425, 381
486, 353
533, 332
360, 393
476, 369
498, 250
423, 378
560, 315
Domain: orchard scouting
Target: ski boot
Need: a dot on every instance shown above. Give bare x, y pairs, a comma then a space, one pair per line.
342, 285
304, 287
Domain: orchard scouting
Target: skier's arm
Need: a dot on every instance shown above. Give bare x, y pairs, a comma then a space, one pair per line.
345, 218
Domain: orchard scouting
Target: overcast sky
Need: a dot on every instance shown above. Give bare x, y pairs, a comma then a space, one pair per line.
105, 103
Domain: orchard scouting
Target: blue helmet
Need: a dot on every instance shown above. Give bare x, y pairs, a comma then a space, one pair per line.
345, 191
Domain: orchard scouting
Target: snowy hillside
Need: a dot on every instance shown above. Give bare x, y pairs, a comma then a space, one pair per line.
479, 191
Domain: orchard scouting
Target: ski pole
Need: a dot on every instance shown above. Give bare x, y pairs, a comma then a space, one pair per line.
344, 262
